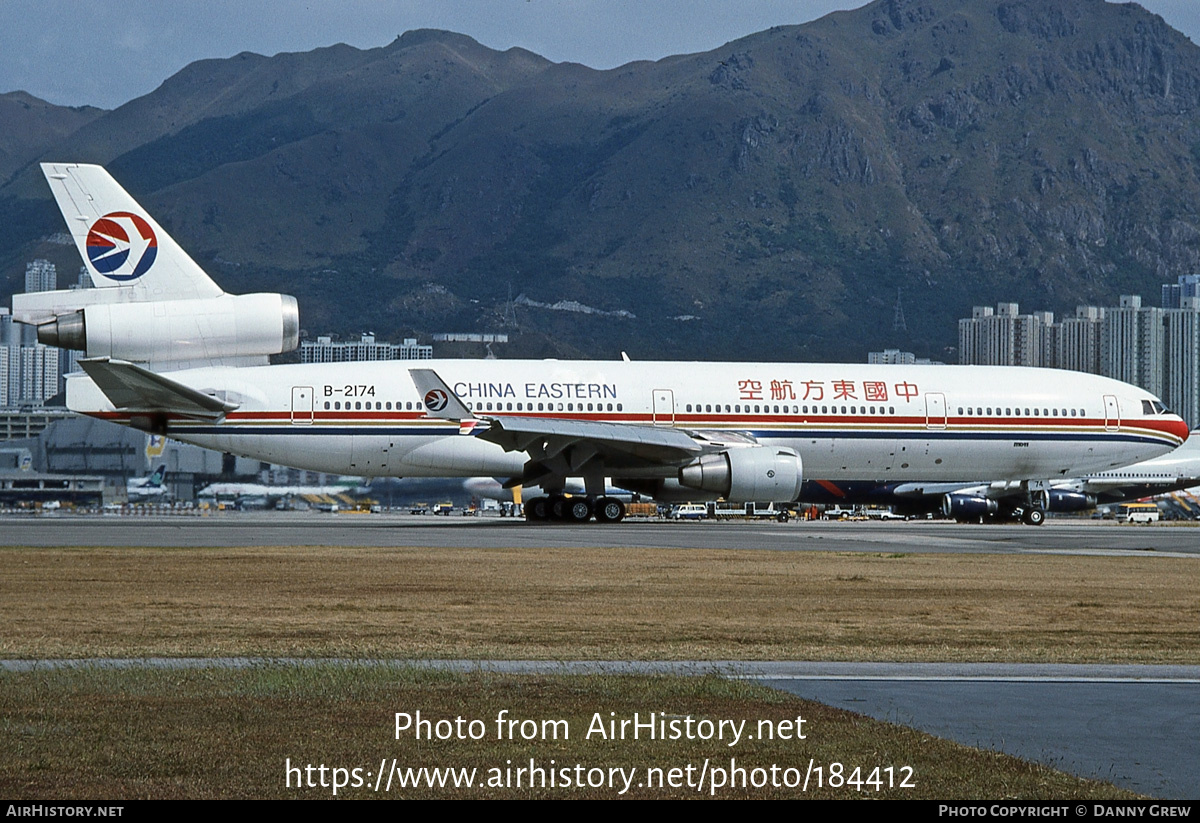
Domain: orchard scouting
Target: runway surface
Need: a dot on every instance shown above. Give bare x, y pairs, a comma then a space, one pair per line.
324, 529
1137, 735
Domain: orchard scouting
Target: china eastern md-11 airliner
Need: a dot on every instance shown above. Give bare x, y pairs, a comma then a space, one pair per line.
169, 352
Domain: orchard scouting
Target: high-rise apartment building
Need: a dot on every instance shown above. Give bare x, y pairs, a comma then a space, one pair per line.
40, 275
1181, 378
1002, 337
1078, 343
1187, 285
1132, 344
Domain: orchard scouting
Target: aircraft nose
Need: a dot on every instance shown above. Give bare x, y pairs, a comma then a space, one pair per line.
1177, 427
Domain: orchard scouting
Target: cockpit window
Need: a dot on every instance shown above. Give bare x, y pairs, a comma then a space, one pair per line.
1154, 407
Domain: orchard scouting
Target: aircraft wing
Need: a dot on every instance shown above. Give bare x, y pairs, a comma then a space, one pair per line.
131, 388
562, 445
613, 441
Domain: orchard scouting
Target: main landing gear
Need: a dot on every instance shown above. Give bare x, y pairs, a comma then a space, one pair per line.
1032, 516
560, 509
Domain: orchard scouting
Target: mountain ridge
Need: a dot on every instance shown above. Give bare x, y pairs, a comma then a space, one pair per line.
783, 189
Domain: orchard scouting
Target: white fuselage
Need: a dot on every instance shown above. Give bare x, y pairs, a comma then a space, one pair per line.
846, 421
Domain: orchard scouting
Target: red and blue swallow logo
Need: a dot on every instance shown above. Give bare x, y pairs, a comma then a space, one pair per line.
122, 246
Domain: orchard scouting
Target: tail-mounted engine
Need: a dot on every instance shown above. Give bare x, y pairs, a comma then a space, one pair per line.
173, 331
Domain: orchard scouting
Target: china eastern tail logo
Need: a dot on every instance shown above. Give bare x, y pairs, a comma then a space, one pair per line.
436, 400
122, 246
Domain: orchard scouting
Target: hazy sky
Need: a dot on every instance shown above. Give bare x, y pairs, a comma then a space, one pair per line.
77, 52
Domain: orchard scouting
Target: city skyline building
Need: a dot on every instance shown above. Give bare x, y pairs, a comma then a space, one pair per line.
1132, 344
325, 350
1187, 285
1156, 348
1002, 336
32, 373
40, 275
1078, 340
1181, 374
4, 375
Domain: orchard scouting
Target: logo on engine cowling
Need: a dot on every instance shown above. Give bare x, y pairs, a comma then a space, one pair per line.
121, 246
436, 400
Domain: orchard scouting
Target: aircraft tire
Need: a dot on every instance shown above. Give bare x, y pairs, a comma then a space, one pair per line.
558, 508
609, 510
578, 510
1034, 517
537, 510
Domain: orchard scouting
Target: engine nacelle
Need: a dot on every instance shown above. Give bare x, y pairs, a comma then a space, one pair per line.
179, 330
1061, 500
968, 505
755, 473
664, 490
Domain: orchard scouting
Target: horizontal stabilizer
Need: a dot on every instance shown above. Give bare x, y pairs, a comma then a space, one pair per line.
131, 388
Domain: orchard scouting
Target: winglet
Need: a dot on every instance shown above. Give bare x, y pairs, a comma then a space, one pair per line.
439, 399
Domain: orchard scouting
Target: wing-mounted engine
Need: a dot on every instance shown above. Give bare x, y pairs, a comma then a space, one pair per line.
246, 328
965, 506
753, 473
1064, 500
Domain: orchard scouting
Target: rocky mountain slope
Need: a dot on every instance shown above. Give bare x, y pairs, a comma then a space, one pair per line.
768, 199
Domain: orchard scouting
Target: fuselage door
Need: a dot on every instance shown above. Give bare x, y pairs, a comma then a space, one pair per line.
664, 407
1112, 414
302, 405
935, 410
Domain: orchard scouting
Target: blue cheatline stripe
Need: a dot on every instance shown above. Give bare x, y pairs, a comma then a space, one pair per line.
765, 434
315, 430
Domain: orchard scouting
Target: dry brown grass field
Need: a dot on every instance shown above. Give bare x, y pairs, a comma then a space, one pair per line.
596, 604
97, 733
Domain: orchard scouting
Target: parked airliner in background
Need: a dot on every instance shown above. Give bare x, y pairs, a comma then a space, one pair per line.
149, 489
262, 496
168, 351
1000, 501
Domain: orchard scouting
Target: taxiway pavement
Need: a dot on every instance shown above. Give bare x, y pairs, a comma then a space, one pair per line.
325, 529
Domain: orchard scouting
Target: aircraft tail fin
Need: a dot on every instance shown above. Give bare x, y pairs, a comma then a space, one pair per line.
120, 243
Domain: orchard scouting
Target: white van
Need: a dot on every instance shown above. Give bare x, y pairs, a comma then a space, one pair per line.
690, 511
